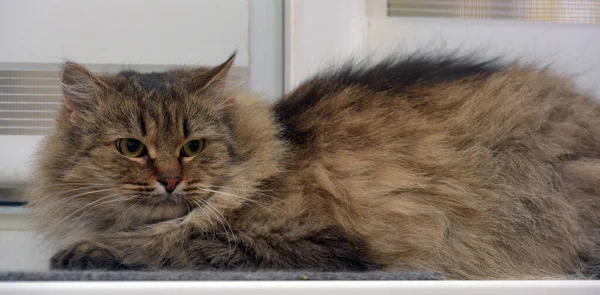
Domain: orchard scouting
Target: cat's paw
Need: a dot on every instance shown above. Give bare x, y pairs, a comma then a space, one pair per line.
88, 255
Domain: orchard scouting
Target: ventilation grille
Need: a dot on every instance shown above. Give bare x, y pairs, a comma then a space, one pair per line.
563, 11
29, 99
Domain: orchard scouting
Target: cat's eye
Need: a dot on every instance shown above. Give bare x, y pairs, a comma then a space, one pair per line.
130, 147
192, 148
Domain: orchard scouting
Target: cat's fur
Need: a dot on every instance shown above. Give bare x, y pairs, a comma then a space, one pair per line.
476, 170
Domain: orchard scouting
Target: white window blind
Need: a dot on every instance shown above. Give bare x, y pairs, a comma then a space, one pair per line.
563, 11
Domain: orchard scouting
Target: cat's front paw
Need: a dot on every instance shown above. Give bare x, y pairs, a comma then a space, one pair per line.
88, 255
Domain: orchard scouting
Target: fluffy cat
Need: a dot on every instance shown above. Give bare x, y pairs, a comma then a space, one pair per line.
476, 170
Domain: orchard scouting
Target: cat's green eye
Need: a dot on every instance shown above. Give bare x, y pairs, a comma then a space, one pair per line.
192, 148
130, 147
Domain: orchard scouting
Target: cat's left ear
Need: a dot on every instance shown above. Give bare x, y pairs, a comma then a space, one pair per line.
214, 78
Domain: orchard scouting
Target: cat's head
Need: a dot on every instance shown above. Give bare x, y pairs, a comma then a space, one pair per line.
138, 148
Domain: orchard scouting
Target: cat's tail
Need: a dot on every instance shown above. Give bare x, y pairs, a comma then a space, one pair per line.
582, 179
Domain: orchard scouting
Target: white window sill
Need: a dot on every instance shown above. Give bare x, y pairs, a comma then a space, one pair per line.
14, 218
22, 249
307, 287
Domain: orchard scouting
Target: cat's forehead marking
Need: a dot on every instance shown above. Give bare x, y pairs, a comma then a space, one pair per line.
152, 136
163, 82
162, 125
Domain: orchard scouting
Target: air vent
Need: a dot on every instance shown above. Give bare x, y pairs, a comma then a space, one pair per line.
28, 101
563, 11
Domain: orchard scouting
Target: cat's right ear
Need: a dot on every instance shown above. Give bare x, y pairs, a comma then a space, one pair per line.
80, 89
213, 78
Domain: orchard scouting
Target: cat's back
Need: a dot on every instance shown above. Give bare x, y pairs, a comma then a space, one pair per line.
420, 95
358, 85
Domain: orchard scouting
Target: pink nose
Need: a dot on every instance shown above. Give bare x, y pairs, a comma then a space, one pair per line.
170, 183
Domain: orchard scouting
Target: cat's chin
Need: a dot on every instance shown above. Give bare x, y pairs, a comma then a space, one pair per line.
153, 212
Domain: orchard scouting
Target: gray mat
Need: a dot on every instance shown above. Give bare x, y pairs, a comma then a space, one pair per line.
212, 276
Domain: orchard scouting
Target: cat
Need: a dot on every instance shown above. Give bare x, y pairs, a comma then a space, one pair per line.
477, 170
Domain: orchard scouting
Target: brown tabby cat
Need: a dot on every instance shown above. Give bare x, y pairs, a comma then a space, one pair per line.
475, 170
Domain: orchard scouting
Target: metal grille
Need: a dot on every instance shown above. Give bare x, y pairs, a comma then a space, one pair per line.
562, 11
28, 101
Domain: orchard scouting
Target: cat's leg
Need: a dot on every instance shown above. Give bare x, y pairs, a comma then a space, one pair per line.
197, 242
147, 247
327, 249
188, 247
90, 255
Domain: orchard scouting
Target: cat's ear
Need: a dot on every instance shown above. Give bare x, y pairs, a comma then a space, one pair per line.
80, 89
214, 78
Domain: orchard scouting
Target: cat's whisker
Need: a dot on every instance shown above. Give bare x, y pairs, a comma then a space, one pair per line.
134, 204
223, 217
257, 192
69, 184
92, 192
123, 198
212, 225
118, 198
217, 214
242, 198
204, 205
71, 190
82, 208
188, 207
31, 189
205, 189
204, 186
67, 200
129, 210
138, 190
58, 193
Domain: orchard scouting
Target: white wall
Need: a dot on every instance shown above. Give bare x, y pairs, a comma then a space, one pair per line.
266, 47
162, 32
319, 33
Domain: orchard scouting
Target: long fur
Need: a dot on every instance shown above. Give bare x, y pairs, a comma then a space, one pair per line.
474, 169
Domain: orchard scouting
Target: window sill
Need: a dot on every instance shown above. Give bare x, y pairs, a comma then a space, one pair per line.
15, 218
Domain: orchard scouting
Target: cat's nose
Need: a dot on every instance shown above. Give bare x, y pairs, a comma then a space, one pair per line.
170, 183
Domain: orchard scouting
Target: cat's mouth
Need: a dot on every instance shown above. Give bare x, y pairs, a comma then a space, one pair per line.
155, 195
155, 203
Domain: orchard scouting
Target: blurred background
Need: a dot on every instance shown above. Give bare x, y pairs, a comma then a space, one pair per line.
279, 44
